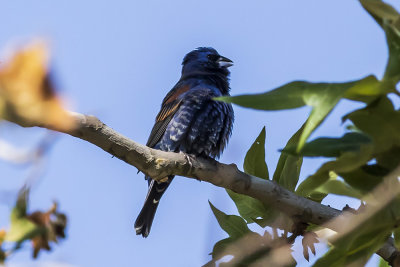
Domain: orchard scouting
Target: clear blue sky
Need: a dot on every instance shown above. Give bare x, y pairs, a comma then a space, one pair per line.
117, 61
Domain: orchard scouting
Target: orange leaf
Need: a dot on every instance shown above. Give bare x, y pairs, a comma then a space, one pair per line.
27, 96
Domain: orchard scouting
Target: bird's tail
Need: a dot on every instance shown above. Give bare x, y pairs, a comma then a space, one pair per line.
146, 216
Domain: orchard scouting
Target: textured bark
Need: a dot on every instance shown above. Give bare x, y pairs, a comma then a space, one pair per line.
159, 164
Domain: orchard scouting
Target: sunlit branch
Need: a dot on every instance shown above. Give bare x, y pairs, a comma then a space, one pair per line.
159, 164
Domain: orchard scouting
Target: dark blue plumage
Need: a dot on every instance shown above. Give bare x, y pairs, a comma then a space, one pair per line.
190, 121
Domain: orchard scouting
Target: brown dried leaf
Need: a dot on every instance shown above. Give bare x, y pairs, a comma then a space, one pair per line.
53, 223
27, 96
308, 241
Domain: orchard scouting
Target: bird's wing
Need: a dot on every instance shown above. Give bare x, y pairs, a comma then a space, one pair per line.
169, 107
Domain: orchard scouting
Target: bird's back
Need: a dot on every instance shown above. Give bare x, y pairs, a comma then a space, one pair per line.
201, 126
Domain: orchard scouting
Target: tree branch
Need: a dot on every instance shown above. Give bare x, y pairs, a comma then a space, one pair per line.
159, 164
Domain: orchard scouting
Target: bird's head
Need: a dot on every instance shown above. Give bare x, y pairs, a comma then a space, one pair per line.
205, 60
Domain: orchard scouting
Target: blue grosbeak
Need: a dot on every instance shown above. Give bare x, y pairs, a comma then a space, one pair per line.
190, 121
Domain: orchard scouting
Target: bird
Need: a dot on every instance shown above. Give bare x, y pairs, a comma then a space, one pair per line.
190, 121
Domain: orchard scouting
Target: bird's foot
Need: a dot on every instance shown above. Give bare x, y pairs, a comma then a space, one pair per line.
190, 158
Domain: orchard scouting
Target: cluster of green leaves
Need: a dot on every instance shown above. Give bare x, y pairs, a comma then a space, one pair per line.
38, 227
254, 211
356, 163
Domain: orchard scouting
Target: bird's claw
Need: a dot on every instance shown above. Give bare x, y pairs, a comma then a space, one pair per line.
190, 158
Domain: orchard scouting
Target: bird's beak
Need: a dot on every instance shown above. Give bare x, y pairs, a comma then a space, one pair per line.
224, 62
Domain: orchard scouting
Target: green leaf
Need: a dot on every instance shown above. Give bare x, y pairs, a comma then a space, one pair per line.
254, 164
389, 159
21, 228
383, 263
380, 121
366, 90
253, 210
338, 188
332, 147
287, 170
221, 246
311, 183
249, 208
322, 97
254, 161
389, 19
380, 11
347, 162
22, 202
233, 225
362, 178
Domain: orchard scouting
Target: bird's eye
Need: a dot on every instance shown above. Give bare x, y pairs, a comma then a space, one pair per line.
212, 57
